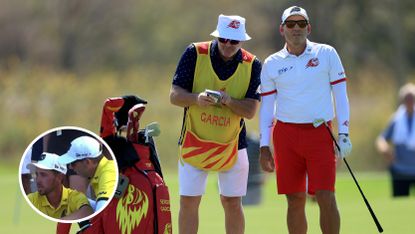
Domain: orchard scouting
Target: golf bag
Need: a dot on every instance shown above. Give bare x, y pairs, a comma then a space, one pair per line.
141, 204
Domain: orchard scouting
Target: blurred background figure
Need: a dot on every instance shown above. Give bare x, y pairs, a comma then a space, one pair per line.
25, 172
397, 143
33, 154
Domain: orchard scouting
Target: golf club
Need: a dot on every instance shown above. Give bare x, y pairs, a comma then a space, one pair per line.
317, 123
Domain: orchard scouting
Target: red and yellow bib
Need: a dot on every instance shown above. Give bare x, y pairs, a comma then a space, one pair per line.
210, 140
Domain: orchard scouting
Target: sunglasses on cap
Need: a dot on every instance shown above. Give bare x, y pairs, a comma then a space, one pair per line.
224, 41
42, 157
292, 23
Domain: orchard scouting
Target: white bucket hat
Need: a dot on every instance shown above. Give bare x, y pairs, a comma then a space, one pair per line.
231, 27
294, 10
48, 161
81, 148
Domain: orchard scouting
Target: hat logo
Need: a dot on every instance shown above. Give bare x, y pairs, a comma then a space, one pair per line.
295, 9
82, 155
234, 24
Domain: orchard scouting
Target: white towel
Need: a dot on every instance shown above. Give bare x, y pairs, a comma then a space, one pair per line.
400, 133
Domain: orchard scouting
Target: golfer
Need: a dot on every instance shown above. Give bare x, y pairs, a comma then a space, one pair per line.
52, 198
299, 82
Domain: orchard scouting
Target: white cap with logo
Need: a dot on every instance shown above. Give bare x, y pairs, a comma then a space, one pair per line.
231, 27
294, 10
81, 148
48, 161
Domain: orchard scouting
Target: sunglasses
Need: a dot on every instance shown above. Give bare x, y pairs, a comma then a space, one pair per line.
292, 23
224, 41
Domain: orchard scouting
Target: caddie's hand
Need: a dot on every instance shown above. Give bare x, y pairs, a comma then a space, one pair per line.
345, 145
226, 99
266, 160
204, 100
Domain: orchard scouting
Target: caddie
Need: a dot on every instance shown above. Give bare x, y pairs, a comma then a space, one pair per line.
86, 159
216, 83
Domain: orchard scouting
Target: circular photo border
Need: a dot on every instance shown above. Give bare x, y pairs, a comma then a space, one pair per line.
109, 150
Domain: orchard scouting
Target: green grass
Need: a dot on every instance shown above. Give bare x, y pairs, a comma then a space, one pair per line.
395, 215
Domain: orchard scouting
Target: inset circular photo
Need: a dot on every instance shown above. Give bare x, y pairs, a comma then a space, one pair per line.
68, 174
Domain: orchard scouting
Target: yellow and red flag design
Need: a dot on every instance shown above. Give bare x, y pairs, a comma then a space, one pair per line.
208, 155
131, 209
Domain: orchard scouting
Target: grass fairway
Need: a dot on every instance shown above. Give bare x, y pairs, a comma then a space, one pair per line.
395, 215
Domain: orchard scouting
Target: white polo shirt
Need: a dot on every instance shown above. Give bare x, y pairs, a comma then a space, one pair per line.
302, 83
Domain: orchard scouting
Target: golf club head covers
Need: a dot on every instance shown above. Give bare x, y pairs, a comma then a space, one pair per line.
122, 114
133, 124
108, 126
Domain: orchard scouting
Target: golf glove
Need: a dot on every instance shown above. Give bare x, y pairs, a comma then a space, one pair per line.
345, 145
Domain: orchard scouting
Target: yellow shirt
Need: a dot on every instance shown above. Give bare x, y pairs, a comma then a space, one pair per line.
71, 201
103, 181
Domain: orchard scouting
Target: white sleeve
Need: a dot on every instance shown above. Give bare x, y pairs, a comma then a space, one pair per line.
266, 117
342, 106
266, 112
337, 72
100, 204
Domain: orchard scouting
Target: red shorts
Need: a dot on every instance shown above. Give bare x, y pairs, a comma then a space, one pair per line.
304, 155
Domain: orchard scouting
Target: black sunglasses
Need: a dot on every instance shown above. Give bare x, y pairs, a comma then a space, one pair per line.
42, 157
292, 23
224, 41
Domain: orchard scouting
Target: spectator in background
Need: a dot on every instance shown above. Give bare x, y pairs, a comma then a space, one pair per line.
397, 143
33, 154
25, 172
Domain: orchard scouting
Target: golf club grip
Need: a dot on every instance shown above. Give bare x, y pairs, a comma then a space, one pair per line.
375, 219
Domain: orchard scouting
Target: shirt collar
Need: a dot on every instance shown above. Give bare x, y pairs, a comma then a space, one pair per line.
214, 53
64, 199
284, 52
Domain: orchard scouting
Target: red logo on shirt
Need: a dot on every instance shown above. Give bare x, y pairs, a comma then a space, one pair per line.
234, 24
312, 63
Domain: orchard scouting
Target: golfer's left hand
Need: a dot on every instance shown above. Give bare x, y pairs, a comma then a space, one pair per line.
345, 145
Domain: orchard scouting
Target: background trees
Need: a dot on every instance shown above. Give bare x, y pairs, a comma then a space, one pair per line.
60, 59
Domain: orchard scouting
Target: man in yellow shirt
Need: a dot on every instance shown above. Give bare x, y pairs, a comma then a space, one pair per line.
52, 198
86, 159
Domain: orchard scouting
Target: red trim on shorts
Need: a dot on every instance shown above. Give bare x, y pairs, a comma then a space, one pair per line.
268, 93
338, 81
